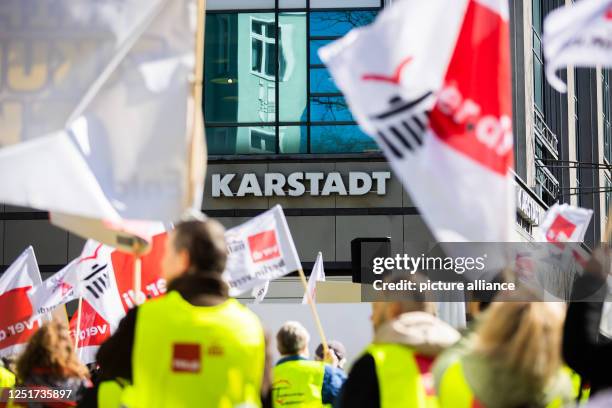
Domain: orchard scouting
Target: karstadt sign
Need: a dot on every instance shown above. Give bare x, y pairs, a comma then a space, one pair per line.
355, 183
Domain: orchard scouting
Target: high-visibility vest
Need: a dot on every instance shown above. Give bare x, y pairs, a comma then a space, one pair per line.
7, 379
581, 391
298, 383
188, 356
110, 392
404, 378
455, 392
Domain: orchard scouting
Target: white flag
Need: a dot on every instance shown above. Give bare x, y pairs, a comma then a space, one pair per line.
317, 275
430, 82
16, 327
260, 292
57, 290
579, 35
565, 223
96, 117
260, 250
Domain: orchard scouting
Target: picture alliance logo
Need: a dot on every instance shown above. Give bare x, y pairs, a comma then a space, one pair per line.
264, 246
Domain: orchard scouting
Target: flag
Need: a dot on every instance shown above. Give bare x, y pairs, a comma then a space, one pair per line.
97, 122
16, 327
64, 286
578, 35
430, 82
260, 292
317, 275
93, 331
260, 250
564, 223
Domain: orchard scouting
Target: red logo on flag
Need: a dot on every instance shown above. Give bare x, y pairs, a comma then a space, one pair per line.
264, 246
560, 225
394, 79
186, 358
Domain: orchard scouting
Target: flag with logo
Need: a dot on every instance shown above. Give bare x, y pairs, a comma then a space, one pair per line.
107, 276
317, 275
97, 117
430, 82
259, 292
580, 35
16, 325
260, 250
565, 223
62, 287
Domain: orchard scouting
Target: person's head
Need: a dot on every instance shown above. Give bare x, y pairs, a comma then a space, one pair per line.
50, 348
337, 348
523, 335
292, 339
195, 247
399, 303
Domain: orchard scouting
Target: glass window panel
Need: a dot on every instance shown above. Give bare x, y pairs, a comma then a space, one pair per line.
241, 140
538, 84
338, 23
314, 51
340, 139
293, 70
329, 109
293, 139
321, 81
239, 68
536, 15
537, 46
344, 3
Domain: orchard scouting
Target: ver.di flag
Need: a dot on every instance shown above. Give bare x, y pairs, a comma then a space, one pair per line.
578, 35
96, 110
260, 250
430, 82
60, 288
317, 275
108, 293
565, 223
16, 325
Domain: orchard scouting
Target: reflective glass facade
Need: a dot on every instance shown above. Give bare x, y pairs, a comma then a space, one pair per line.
266, 91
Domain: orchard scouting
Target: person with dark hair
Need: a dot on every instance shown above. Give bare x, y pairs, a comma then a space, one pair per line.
49, 362
337, 348
194, 346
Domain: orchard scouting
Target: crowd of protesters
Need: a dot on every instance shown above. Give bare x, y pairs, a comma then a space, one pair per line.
198, 347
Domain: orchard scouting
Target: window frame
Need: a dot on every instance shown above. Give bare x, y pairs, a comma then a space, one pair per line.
307, 123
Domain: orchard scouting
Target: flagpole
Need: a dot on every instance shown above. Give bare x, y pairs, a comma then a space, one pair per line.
137, 278
77, 333
314, 312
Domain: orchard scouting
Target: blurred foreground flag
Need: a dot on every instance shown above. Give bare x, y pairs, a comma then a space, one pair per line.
260, 250
317, 275
565, 223
579, 35
430, 82
96, 109
16, 327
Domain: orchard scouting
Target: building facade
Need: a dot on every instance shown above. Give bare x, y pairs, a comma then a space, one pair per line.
279, 132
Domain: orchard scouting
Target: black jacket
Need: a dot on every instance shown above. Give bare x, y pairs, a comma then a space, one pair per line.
583, 348
115, 355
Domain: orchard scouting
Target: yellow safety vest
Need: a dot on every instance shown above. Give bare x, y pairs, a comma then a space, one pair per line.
7, 379
110, 393
581, 391
191, 356
455, 392
298, 383
401, 382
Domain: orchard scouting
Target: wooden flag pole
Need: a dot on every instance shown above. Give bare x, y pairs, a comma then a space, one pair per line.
313, 308
77, 333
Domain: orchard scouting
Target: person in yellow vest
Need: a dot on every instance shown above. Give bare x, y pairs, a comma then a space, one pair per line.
195, 346
7, 379
298, 381
511, 359
394, 371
